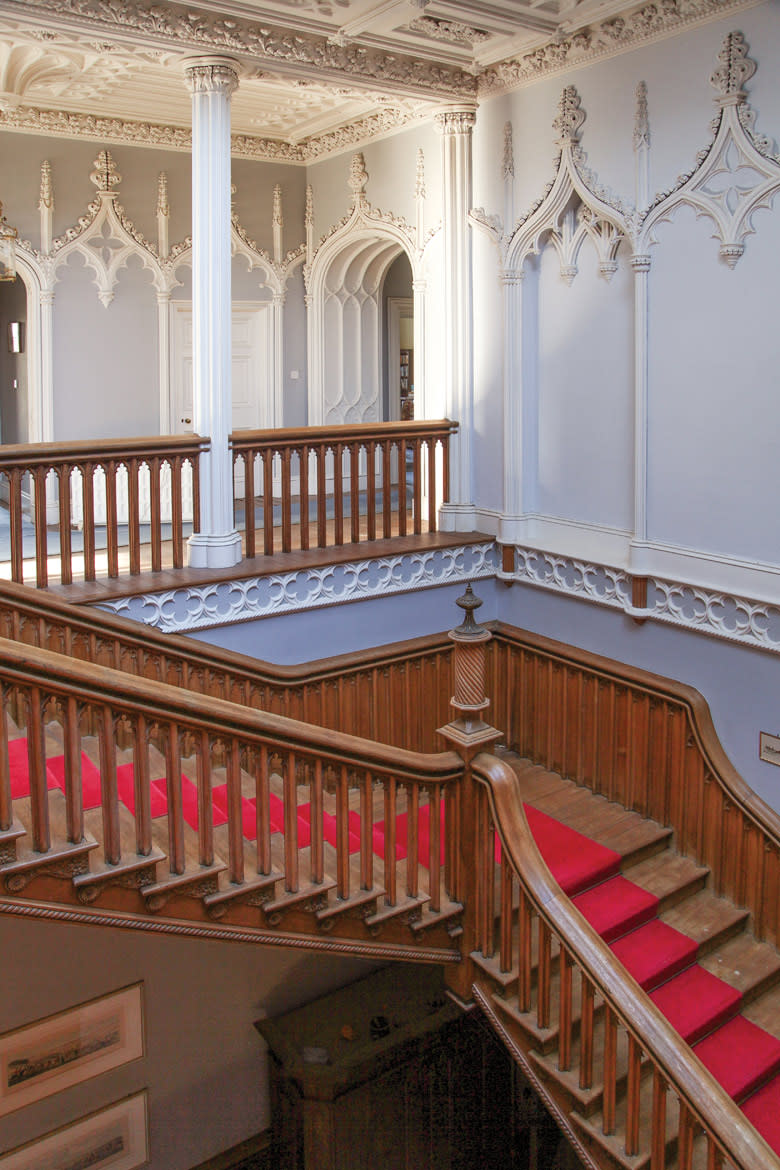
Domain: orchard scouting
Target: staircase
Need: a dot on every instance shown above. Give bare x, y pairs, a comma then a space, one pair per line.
692, 951
128, 800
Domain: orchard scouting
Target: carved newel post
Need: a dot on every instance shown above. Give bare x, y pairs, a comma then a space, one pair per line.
468, 733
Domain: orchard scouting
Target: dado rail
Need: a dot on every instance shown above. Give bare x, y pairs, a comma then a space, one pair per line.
83, 510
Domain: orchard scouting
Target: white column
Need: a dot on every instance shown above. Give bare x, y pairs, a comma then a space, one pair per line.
277, 374
641, 267
167, 424
516, 439
456, 125
211, 81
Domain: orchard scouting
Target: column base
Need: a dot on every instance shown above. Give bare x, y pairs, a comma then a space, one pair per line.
457, 518
215, 552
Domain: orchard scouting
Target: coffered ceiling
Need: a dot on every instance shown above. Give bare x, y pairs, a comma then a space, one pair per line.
316, 75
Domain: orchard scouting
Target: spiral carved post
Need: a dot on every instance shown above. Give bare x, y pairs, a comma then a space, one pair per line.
468, 835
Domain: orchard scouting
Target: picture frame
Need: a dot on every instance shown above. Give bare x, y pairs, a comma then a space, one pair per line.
70, 1047
116, 1137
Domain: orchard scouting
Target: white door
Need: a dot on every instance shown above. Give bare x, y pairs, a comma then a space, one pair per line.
250, 370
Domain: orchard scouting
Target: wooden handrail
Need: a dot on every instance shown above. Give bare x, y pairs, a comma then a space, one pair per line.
724, 1124
96, 450
364, 466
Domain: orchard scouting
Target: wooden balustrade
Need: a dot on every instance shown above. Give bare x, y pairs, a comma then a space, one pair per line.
290, 774
324, 486
86, 509
685, 1099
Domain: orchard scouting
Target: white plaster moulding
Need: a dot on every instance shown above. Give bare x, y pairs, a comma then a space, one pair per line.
227, 602
743, 620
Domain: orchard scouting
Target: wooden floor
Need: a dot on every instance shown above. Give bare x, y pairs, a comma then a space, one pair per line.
90, 592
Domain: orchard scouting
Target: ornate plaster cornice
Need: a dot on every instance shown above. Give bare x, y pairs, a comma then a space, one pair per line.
605, 38
55, 123
180, 29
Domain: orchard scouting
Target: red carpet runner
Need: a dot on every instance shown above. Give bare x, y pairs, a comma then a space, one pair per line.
744, 1058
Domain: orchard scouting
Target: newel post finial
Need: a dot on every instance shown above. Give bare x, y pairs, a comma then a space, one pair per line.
468, 732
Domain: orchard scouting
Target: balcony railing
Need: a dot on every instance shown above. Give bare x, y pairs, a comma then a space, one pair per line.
85, 510
328, 486
88, 509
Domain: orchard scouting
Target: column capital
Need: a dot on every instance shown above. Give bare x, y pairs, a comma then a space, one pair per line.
511, 276
459, 119
640, 262
210, 74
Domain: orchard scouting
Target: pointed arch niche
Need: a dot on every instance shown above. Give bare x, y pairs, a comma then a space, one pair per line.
347, 328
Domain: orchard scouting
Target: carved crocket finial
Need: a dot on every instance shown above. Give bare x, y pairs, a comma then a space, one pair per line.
641, 118
105, 175
163, 206
46, 198
508, 159
570, 116
277, 209
734, 68
419, 184
308, 218
358, 177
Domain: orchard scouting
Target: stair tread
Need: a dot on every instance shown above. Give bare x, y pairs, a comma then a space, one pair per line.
696, 1002
763, 1111
668, 875
616, 906
654, 953
744, 963
706, 918
740, 1055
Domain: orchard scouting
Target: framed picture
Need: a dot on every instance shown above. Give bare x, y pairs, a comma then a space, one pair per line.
73, 1046
115, 1138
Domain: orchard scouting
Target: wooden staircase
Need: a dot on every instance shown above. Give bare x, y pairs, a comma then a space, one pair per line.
561, 1037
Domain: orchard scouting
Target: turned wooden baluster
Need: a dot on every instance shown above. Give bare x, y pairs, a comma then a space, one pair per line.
15, 518
174, 793
268, 502
610, 1071
109, 796
525, 952
317, 840
543, 975
286, 457
434, 858
387, 489
290, 824
303, 494
249, 502
133, 514
338, 492
371, 489
155, 508
342, 832
565, 1013
66, 523
322, 512
176, 464
507, 916
354, 492
234, 813
417, 486
263, 810
74, 806
390, 810
633, 1087
366, 832
6, 807
141, 787
586, 1032
112, 533
658, 1131
402, 488
41, 532
412, 841
36, 765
